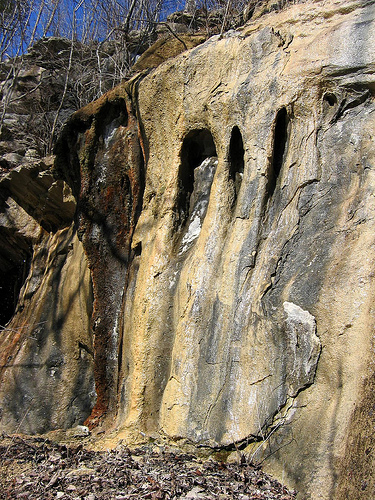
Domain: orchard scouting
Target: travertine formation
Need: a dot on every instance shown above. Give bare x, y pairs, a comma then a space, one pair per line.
225, 207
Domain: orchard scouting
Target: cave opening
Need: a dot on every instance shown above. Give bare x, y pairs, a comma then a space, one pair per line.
11, 282
280, 141
197, 146
330, 98
236, 159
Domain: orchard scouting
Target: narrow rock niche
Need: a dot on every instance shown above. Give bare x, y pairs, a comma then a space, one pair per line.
236, 160
11, 282
197, 169
330, 107
330, 99
280, 141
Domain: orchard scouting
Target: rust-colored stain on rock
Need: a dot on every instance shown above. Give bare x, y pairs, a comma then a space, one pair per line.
215, 286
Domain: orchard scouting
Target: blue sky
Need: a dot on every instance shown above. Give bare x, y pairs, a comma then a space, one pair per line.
86, 22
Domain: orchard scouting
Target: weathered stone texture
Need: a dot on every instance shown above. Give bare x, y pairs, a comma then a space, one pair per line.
207, 339
46, 359
225, 205
46, 353
111, 180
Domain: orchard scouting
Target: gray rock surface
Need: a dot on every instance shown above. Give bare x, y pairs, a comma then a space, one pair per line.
303, 348
245, 315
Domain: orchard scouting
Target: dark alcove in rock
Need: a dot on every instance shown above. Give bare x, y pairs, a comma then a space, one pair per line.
197, 169
11, 281
279, 148
236, 159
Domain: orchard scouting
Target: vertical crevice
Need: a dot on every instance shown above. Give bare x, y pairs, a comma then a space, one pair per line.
280, 141
198, 162
198, 145
236, 160
11, 282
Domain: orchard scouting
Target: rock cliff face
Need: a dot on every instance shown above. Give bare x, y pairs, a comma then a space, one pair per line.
224, 210
46, 365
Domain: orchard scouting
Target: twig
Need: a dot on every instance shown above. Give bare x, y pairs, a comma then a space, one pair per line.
174, 34
225, 18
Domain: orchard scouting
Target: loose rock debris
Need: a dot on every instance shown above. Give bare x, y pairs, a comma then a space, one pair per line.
40, 469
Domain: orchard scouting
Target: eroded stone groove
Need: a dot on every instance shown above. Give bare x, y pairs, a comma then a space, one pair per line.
196, 173
111, 186
280, 140
197, 146
232, 276
236, 159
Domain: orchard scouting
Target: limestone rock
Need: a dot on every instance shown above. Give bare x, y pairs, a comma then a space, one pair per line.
165, 48
275, 100
225, 207
78, 431
46, 365
303, 348
48, 200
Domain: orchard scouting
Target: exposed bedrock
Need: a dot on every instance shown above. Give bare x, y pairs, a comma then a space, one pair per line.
225, 205
46, 355
261, 331
105, 168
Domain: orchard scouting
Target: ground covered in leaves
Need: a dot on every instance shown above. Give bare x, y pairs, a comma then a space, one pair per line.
37, 468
